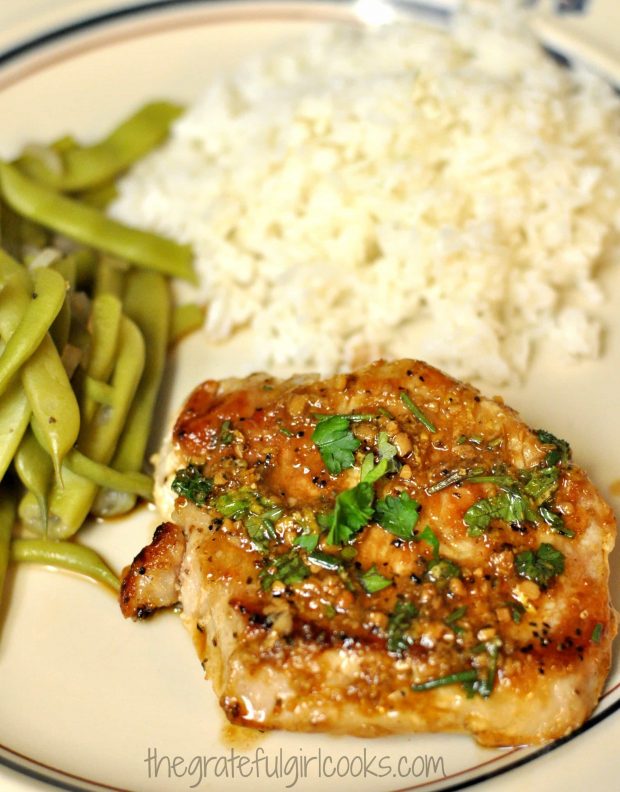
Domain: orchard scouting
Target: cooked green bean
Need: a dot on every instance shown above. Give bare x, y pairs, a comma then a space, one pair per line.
10, 230
93, 228
132, 482
34, 468
86, 262
10, 268
64, 555
110, 277
67, 267
7, 520
98, 438
86, 167
99, 392
47, 298
14, 418
105, 325
99, 197
52, 401
61, 326
29, 513
147, 303
44, 379
184, 320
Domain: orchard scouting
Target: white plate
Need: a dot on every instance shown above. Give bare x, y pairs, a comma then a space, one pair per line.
84, 695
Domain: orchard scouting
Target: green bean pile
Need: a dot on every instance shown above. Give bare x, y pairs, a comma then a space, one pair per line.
85, 323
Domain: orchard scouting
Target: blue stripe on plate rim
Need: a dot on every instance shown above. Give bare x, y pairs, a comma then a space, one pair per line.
437, 9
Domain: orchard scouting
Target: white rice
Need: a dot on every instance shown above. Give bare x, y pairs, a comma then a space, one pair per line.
395, 191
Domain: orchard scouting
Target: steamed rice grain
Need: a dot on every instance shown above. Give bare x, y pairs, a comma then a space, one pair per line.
400, 190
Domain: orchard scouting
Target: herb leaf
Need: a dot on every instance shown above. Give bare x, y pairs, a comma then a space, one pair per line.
510, 506
560, 454
288, 568
452, 618
449, 679
353, 510
429, 536
372, 580
325, 560
386, 449
417, 412
540, 565
401, 618
442, 569
516, 611
307, 542
235, 504
398, 515
371, 472
190, 483
541, 484
226, 436
260, 527
336, 442
555, 521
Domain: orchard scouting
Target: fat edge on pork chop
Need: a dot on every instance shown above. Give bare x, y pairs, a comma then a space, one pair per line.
383, 551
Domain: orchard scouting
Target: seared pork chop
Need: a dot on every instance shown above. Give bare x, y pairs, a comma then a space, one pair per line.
384, 551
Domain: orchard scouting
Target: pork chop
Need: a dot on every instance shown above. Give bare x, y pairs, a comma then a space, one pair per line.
384, 551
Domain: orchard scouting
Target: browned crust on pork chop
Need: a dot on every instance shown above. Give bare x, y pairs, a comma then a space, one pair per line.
316, 652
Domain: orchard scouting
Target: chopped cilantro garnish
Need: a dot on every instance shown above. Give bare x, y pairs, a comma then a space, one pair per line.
348, 553
560, 454
286, 432
597, 633
555, 521
401, 618
336, 442
190, 483
372, 580
307, 542
442, 569
386, 449
438, 569
540, 565
429, 536
417, 412
371, 472
516, 611
510, 506
541, 484
235, 504
260, 527
398, 514
226, 436
352, 511
524, 499
259, 514
288, 568
485, 685
497, 476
